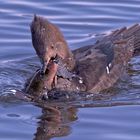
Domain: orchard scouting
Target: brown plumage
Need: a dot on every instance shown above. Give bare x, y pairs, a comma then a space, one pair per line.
99, 66
48, 42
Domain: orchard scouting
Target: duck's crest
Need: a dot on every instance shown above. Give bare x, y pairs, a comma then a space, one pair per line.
35, 17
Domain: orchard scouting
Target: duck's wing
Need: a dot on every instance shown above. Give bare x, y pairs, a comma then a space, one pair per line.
122, 54
115, 50
90, 64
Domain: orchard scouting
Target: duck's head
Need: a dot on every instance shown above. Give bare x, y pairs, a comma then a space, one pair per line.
44, 39
52, 51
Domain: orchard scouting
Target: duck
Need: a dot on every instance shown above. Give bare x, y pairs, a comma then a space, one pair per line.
88, 69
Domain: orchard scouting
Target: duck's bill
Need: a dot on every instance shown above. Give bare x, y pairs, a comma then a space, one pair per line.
43, 69
45, 66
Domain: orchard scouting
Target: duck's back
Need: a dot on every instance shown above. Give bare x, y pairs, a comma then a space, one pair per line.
102, 64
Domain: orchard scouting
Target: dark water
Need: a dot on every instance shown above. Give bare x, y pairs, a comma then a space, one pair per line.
82, 21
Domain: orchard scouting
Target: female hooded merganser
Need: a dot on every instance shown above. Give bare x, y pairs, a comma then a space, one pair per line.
92, 69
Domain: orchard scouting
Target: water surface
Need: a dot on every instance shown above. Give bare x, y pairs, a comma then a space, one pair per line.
82, 22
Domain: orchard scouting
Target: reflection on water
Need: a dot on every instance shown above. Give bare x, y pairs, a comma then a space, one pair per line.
55, 122
82, 23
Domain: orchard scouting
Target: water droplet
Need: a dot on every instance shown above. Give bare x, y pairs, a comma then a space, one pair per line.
77, 88
109, 64
13, 91
107, 69
80, 81
67, 96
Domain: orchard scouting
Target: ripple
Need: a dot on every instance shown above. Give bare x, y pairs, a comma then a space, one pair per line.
13, 120
13, 115
107, 123
82, 22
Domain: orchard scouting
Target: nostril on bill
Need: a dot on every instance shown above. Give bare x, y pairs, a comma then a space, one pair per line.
43, 69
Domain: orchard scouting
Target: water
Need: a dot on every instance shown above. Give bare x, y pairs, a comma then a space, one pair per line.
82, 22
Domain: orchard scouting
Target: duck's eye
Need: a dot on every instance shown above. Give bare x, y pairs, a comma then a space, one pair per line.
52, 47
